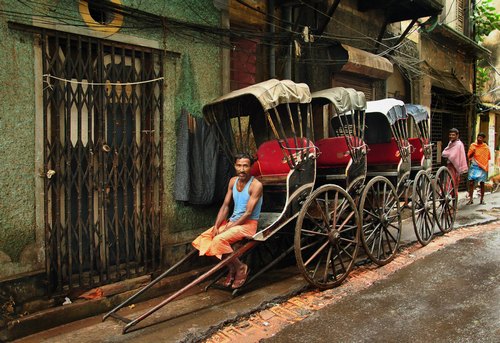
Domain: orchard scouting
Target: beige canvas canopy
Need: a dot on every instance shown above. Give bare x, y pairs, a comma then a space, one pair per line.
258, 98
343, 99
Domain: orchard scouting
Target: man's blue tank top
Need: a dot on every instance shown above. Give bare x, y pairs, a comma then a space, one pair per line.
240, 202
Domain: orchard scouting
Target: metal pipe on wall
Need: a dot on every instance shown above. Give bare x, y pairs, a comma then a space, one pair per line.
272, 30
287, 17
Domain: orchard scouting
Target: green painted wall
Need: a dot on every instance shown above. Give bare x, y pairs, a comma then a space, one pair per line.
16, 141
17, 114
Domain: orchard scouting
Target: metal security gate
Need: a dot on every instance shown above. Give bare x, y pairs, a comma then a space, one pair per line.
448, 110
103, 153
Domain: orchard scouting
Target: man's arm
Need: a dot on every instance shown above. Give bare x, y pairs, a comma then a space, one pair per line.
255, 193
471, 151
224, 209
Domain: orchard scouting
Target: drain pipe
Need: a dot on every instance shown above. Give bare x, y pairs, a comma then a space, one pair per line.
272, 47
287, 17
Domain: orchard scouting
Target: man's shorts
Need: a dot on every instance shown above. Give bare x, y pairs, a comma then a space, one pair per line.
477, 174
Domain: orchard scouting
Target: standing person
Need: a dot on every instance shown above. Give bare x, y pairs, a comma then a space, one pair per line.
479, 155
246, 193
455, 154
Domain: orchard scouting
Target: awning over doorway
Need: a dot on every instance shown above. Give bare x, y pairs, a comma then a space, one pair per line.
361, 62
448, 81
399, 10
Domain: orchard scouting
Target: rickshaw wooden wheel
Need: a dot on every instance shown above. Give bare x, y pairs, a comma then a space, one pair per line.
423, 207
446, 200
403, 189
327, 236
381, 220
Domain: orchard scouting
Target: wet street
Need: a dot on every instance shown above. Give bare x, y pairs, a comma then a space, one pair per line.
453, 295
446, 291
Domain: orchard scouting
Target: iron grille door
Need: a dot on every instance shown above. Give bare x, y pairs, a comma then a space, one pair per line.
103, 157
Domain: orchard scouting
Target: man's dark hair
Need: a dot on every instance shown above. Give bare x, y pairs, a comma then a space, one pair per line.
241, 155
454, 130
482, 134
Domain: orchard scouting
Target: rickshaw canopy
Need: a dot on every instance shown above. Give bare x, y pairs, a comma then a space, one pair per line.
343, 99
258, 98
418, 112
392, 109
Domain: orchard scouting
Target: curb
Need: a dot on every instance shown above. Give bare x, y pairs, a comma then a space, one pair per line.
114, 294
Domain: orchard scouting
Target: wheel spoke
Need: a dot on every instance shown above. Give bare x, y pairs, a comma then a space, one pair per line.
345, 221
313, 256
316, 268
371, 202
315, 222
325, 273
370, 213
336, 199
323, 214
340, 249
428, 228
389, 233
315, 232
310, 245
375, 229
380, 249
334, 270
385, 196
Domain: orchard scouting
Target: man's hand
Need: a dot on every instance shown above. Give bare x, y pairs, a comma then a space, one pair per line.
220, 229
215, 231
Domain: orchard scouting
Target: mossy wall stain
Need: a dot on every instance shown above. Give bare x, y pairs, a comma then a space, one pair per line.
16, 140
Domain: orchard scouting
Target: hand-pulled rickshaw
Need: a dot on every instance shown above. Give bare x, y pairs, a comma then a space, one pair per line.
328, 224
377, 200
311, 186
446, 190
391, 153
273, 119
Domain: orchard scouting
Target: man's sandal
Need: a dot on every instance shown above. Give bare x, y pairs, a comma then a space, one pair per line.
240, 277
228, 280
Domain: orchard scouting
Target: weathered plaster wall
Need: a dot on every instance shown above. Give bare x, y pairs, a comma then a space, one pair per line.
346, 22
17, 118
17, 173
396, 86
447, 60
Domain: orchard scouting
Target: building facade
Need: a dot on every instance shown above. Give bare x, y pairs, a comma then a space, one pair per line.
92, 96
95, 94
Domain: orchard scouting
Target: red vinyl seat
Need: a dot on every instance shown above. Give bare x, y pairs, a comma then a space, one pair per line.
383, 153
271, 164
418, 152
333, 152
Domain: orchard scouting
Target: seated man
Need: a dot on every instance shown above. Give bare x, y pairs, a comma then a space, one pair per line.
246, 192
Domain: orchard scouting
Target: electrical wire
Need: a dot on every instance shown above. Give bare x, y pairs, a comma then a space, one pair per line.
210, 34
48, 76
